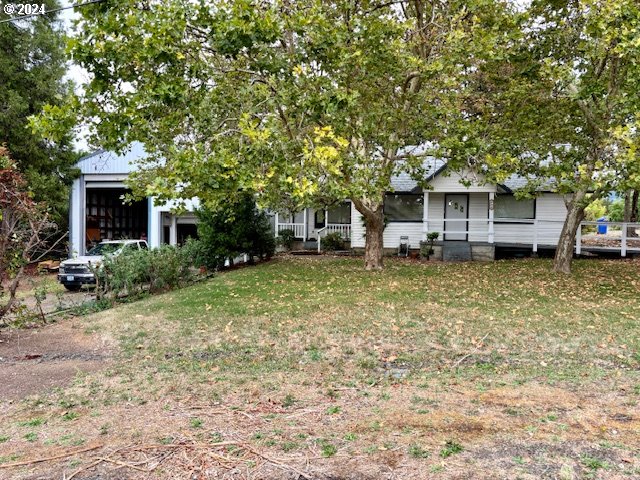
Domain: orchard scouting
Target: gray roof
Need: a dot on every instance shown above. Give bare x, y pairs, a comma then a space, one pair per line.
403, 182
432, 166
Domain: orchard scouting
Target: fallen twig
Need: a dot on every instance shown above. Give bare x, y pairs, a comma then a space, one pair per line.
47, 459
455, 365
122, 464
277, 463
86, 467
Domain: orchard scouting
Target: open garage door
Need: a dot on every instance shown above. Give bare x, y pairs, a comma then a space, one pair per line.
108, 218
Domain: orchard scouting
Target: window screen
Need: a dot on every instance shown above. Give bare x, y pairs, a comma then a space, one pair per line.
507, 206
403, 207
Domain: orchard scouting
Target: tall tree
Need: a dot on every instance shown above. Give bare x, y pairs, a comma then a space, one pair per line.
32, 69
291, 100
562, 104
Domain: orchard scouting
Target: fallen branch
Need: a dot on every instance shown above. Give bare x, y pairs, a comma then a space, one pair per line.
277, 463
455, 365
153, 446
86, 467
47, 459
122, 464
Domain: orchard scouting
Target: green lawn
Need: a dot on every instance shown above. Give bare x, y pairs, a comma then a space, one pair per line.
438, 369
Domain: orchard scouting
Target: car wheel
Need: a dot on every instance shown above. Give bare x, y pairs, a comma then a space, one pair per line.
73, 288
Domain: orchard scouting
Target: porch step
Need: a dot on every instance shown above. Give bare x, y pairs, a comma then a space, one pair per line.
304, 252
456, 251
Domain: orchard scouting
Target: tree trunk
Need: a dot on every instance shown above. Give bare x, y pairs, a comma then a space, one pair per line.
631, 211
567, 240
374, 224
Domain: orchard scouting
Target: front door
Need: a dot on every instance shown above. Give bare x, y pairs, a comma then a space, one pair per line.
456, 207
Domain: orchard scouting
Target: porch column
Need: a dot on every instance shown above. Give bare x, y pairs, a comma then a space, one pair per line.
425, 216
490, 234
326, 217
304, 235
277, 223
173, 230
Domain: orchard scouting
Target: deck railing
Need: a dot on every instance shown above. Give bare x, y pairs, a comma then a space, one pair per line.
298, 228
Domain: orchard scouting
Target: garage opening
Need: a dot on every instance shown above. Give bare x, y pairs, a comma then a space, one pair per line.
108, 218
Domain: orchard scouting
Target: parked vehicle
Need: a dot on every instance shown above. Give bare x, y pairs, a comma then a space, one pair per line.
76, 272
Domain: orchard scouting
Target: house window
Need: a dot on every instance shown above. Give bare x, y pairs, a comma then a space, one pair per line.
508, 207
403, 207
340, 213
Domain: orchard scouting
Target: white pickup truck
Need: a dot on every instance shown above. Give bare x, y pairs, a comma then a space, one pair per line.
75, 272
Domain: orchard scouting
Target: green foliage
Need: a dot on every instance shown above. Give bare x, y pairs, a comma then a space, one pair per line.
235, 229
332, 242
286, 237
289, 400
296, 102
615, 211
33, 66
328, 449
25, 231
136, 272
426, 248
450, 448
596, 210
559, 105
416, 451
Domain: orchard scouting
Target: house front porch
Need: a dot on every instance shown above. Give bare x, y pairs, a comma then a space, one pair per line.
310, 225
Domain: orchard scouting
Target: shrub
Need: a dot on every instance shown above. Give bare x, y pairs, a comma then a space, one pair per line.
595, 210
238, 228
138, 271
286, 238
615, 212
332, 242
426, 248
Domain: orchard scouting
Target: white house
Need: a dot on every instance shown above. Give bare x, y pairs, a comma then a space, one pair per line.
474, 215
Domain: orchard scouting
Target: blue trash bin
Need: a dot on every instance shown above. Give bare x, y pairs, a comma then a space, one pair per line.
602, 227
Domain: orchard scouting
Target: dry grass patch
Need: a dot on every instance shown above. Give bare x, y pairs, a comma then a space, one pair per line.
313, 367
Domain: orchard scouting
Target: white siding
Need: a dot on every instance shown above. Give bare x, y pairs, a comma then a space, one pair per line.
357, 228
110, 163
436, 213
450, 183
550, 214
76, 212
478, 209
392, 234
395, 230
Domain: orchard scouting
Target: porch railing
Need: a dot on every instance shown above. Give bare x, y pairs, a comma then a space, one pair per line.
615, 236
298, 229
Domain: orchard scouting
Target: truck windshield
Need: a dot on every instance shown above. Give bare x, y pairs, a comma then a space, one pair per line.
104, 249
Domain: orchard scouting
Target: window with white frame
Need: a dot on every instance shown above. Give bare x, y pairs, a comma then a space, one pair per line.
508, 207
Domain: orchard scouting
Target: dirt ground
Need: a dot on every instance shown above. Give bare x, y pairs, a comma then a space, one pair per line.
38, 359
56, 297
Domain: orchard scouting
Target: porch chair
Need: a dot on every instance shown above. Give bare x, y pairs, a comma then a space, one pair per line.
403, 248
